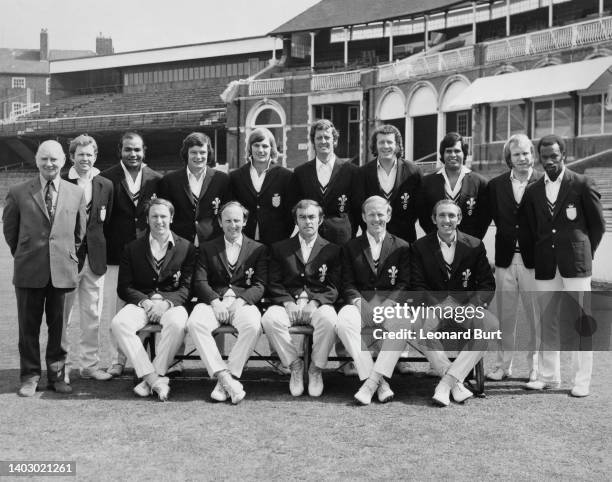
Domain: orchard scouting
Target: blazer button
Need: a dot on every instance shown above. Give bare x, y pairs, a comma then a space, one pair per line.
554, 231
302, 275
257, 206
553, 246
517, 226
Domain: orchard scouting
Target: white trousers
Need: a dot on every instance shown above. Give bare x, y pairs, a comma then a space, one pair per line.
90, 288
549, 369
202, 322
348, 329
114, 304
434, 351
275, 322
132, 318
514, 283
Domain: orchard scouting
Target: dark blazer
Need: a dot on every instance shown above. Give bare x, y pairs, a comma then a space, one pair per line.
289, 274
138, 278
270, 207
213, 276
361, 279
340, 202
429, 277
402, 199
128, 222
94, 244
189, 215
568, 239
472, 201
43, 251
510, 227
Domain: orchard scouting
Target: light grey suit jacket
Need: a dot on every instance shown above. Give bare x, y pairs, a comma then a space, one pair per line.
43, 251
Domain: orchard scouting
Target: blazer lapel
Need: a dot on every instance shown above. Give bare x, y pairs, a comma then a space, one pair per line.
245, 174
437, 251
460, 251
146, 246
220, 242
337, 166
244, 249
37, 193
318, 245
187, 189
270, 176
207, 179
170, 254
385, 251
563, 192
367, 252
297, 249
312, 176
507, 191
398, 176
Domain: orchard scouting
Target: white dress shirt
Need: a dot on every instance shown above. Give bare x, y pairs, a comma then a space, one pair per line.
256, 178
232, 249
158, 250
386, 181
195, 183
452, 192
84, 183
133, 184
305, 247
375, 246
448, 252
552, 187
324, 170
518, 186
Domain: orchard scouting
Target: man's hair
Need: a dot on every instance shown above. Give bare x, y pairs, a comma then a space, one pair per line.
387, 129
230, 204
551, 140
200, 140
262, 134
129, 135
82, 141
305, 204
449, 140
158, 201
323, 125
372, 199
445, 202
515, 140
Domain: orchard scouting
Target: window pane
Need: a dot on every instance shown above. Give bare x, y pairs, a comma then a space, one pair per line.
518, 125
266, 117
543, 119
607, 121
499, 126
564, 118
591, 115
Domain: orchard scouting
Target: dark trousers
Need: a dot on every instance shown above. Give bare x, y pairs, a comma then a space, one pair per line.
31, 302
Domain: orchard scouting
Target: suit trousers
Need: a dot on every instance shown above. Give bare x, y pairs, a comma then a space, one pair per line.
113, 304
549, 369
275, 322
90, 291
433, 349
514, 283
132, 318
349, 331
31, 303
202, 322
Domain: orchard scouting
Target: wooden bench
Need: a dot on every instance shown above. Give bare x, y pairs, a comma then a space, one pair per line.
149, 332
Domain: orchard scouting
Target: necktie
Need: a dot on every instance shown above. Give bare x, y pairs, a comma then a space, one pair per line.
49, 198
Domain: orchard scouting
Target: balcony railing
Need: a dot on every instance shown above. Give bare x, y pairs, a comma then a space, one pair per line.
18, 112
427, 64
341, 80
267, 86
567, 36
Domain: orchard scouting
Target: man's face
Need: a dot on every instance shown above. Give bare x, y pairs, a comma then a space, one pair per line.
84, 158
453, 157
447, 218
521, 157
232, 222
308, 221
196, 158
552, 160
376, 217
132, 153
159, 220
386, 146
260, 151
324, 142
50, 159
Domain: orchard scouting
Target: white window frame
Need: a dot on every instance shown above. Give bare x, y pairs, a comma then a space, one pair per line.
602, 115
508, 105
18, 80
533, 113
48, 86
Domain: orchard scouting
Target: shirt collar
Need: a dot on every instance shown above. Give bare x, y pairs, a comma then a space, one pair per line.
56, 182
192, 176
393, 166
444, 244
127, 173
238, 242
330, 163
558, 180
73, 174
464, 170
304, 243
372, 239
265, 170
514, 178
169, 242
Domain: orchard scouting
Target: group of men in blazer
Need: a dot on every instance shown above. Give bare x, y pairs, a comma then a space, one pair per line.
144, 230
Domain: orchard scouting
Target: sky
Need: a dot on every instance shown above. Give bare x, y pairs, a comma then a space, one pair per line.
139, 24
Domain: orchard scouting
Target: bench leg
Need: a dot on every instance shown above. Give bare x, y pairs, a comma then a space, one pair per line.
307, 348
479, 376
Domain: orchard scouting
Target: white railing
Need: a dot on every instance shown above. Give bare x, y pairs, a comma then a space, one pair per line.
567, 36
340, 80
25, 109
267, 86
427, 64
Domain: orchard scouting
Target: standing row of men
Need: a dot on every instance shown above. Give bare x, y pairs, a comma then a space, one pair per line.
268, 192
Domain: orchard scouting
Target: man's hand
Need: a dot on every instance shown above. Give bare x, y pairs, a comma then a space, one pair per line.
155, 309
294, 313
220, 311
308, 310
238, 303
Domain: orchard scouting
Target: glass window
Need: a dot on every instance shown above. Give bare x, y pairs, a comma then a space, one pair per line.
267, 116
18, 83
591, 115
543, 119
499, 127
607, 121
518, 124
563, 117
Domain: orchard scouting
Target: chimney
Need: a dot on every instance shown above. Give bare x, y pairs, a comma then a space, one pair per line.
104, 45
44, 44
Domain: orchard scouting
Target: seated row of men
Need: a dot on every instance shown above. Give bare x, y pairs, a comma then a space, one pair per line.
304, 277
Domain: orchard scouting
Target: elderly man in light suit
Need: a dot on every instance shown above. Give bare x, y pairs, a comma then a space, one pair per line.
44, 223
